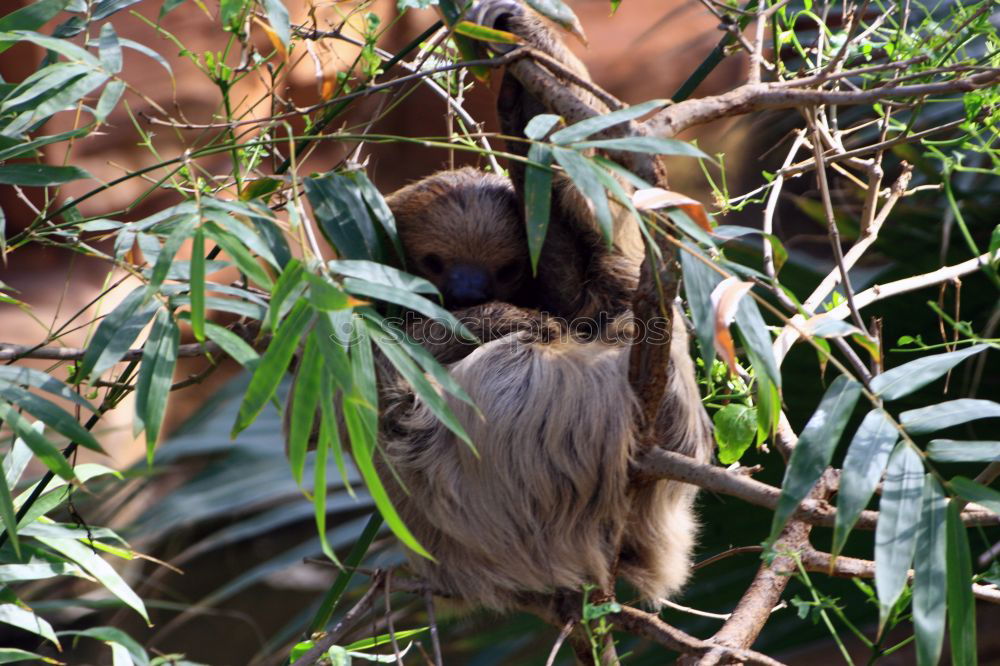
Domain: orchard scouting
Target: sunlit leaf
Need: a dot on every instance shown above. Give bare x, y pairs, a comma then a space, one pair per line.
735, 427
45, 450
39, 175
815, 447
896, 532
583, 129
862, 469
197, 285
52, 415
581, 172
909, 377
24, 619
929, 581
654, 145
947, 414
117, 332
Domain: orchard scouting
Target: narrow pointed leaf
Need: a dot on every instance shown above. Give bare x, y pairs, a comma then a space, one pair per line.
305, 400
540, 125
581, 172
947, 414
382, 274
8, 516
245, 261
45, 450
117, 332
409, 300
273, 365
537, 199
961, 604
929, 580
699, 282
950, 450
110, 49
896, 533
655, 145
52, 415
581, 130
815, 447
171, 246
866, 459
156, 375
197, 285
976, 492
24, 619
909, 377
753, 330
233, 345
40, 175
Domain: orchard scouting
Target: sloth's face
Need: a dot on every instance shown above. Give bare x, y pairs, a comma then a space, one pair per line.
462, 231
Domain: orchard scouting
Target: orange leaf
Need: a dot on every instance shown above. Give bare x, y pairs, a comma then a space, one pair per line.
654, 198
725, 301
273, 37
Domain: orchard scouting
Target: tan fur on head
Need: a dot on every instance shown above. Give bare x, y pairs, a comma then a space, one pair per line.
463, 217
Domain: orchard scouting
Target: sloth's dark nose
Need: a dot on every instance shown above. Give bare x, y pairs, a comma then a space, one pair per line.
467, 284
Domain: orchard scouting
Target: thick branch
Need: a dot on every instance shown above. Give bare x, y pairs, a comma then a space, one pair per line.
668, 465
759, 96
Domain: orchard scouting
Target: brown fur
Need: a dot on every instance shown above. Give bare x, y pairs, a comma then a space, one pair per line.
539, 509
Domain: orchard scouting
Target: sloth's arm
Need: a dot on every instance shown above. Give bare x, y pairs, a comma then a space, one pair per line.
488, 322
579, 277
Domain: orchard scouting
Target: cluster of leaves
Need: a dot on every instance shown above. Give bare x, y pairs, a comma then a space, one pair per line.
334, 313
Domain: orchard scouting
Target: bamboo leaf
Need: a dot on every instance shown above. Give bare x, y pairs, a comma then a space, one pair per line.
584, 128
909, 377
305, 400
382, 274
116, 333
655, 145
976, 492
699, 283
929, 581
950, 450
273, 365
40, 175
156, 375
863, 466
896, 533
246, 262
582, 172
182, 230
815, 448
233, 345
24, 619
110, 49
23, 376
537, 199
197, 285
408, 300
52, 415
8, 516
946, 414
44, 450
961, 604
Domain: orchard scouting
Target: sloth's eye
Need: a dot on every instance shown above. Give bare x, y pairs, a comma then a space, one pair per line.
432, 264
508, 271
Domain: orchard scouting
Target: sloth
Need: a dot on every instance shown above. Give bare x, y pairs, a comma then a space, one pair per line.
545, 503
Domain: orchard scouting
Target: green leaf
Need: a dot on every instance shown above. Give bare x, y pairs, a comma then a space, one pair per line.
485, 34
584, 128
169, 6
116, 333
13, 655
415, 378
9, 517
15, 573
32, 17
541, 125
896, 532
233, 345
329, 602
273, 365
234, 247
537, 199
39, 175
929, 582
815, 448
290, 283
326, 295
582, 172
382, 274
735, 427
863, 466
377, 208
654, 145
556, 10
699, 282
110, 96
92, 563
23, 619
305, 400
61, 46
961, 604
106, 8
45, 450
197, 285
950, 450
755, 336
156, 375
63, 99
110, 49
114, 636
181, 232
42, 83
976, 492
363, 447
27, 148
909, 377
52, 415
408, 300
277, 16
946, 414
22, 376
342, 216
